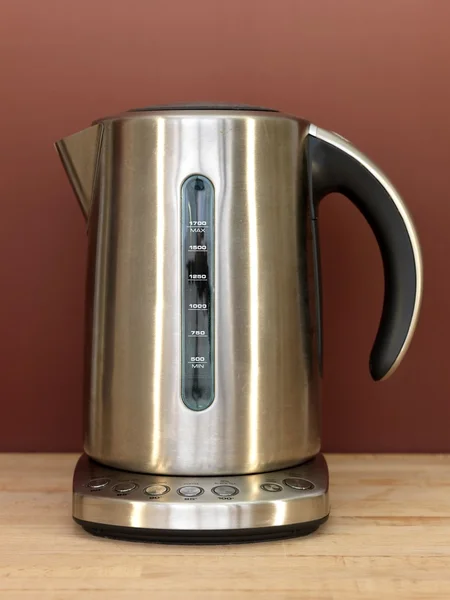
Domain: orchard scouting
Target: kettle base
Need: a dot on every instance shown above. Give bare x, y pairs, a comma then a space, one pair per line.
130, 506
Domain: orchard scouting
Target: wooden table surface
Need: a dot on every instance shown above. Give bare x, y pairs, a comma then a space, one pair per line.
388, 537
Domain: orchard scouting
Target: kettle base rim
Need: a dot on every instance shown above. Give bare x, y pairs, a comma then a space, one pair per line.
117, 504
210, 537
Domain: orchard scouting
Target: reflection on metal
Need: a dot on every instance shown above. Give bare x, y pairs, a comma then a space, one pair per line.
159, 279
253, 250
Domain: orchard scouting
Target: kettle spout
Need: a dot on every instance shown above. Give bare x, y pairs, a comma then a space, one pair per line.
79, 154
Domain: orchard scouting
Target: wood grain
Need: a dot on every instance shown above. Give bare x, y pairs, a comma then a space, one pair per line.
388, 537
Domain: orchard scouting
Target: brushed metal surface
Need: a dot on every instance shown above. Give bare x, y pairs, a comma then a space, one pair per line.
265, 414
251, 507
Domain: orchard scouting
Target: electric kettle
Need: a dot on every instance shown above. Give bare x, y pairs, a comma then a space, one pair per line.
203, 317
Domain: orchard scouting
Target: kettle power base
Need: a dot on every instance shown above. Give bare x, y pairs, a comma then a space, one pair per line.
200, 510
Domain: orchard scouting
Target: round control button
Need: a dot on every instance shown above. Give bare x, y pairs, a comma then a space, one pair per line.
272, 487
225, 490
156, 490
190, 491
298, 484
125, 486
99, 483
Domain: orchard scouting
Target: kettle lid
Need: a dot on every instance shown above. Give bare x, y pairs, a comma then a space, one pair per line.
203, 106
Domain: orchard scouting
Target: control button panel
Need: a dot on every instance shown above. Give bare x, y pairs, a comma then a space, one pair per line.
225, 490
157, 490
190, 491
271, 487
197, 292
99, 483
298, 484
124, 487
187, 490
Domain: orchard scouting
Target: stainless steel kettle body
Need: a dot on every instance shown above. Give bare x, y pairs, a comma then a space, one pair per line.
203, 338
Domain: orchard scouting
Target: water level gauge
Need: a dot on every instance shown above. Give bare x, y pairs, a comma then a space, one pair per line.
197, 285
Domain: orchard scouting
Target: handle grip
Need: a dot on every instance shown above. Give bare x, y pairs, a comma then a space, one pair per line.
335, 165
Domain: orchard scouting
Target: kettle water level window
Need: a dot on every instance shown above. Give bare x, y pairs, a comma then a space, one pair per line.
197, 292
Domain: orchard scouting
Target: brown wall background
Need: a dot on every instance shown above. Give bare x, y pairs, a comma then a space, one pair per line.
375, 71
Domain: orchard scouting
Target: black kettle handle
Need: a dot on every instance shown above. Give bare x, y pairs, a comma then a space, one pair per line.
335, 165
